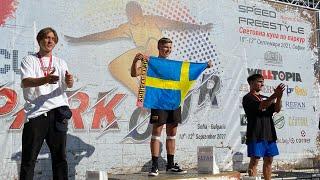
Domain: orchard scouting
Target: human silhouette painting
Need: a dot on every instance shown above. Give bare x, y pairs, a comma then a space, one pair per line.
144, 31
77, 149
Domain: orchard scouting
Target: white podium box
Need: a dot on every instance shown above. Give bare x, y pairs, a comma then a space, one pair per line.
251, 178
206, 160
96, 175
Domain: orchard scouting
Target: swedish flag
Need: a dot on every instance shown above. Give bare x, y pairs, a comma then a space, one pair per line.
165, 83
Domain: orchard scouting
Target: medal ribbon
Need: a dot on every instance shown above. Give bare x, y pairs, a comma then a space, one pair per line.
258, 97
45, 72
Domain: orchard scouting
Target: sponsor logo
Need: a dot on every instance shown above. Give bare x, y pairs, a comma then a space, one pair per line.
276, 75
273, 58
298, 121
302, 140
298, 140
295, 105
297, 90
278, 120
265, 89
292, 140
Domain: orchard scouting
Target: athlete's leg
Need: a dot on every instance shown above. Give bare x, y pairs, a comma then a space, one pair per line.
267, 169
252, 170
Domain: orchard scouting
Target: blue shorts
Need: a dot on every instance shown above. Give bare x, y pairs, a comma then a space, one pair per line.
262, 148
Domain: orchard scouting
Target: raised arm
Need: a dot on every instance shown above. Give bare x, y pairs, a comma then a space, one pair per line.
135, 69
164, 23
209, 64
276, 95
35, 82
278, 104
120, 32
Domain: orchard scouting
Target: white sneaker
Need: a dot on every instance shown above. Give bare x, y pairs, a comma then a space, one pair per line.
153, 172
175, 169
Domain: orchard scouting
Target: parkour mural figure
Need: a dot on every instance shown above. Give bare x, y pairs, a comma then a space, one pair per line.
144, 31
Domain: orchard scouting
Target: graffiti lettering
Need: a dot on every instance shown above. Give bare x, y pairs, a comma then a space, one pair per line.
15, 61
105, 111
8, 98
83, 100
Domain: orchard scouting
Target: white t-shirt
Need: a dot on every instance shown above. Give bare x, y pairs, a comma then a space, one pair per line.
42, 99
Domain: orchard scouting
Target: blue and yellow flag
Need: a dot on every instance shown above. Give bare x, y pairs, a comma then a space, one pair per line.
165, 83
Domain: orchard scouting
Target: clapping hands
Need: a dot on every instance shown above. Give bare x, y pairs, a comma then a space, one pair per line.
51, 78
279, 90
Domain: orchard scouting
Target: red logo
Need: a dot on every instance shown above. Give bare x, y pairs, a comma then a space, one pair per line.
7, 9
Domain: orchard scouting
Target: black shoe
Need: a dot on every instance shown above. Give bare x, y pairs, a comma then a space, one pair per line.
154, 171
175, 169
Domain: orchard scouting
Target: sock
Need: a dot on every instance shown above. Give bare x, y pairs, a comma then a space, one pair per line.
170, 160
155, 161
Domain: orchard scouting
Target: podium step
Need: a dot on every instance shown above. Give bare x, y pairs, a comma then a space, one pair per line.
164, 176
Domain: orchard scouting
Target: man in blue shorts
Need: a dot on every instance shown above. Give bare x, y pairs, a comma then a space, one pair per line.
261, 134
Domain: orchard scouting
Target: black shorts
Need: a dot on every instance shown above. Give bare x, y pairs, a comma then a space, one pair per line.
159, 116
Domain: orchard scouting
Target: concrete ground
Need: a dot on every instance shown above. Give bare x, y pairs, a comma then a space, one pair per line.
297, 174
303, 174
